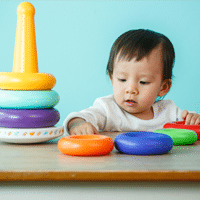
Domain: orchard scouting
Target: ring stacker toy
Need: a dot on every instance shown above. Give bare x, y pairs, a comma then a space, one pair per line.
143, 143
16, 99
180, 136
86, 145
25, 136
24, 75
27, 114
181, 125
14, 118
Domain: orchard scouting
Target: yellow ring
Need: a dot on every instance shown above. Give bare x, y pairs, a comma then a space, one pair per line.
26, 81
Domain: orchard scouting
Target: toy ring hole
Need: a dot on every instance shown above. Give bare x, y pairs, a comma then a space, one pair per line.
86, 137
179, 123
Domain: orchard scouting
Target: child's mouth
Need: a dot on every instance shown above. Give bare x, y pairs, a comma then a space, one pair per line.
130, 102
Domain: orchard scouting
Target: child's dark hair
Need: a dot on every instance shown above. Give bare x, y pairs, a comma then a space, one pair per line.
138, 44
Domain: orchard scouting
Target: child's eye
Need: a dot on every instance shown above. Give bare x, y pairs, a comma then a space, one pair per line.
121, 79
144, 82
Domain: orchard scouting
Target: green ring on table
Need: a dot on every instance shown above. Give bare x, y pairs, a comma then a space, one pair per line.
39, 99
182, 125
180, 136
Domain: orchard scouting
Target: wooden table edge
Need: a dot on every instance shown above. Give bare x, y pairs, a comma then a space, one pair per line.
99, 175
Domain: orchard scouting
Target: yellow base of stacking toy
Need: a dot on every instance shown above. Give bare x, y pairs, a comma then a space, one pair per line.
26, 81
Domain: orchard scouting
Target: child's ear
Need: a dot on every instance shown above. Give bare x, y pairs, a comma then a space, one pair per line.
165, 87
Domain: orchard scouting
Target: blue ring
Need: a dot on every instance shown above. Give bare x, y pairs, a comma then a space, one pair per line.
12, 99
143, 143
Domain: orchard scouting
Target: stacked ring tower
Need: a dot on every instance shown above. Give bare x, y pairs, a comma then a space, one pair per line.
27, 113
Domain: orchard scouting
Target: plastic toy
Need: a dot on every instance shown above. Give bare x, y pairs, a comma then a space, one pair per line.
24, 114
180, 136
143, 143
15, 118
13, 99
181, 125
86, 145
26, 135
24, 75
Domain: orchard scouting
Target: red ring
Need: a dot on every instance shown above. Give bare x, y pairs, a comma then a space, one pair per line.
86, 145
181, 125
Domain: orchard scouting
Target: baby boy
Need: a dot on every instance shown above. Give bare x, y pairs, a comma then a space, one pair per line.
140, 69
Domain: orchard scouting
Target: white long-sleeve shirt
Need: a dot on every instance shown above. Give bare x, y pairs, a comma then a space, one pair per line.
106, 115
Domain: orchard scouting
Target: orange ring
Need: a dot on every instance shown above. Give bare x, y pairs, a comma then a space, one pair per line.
86, 145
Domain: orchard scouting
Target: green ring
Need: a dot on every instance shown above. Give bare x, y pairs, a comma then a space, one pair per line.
180, 136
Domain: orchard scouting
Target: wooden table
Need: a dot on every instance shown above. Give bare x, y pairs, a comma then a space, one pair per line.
42, 163
45, 162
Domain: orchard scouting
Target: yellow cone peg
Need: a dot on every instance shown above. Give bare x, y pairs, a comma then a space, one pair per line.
25, 55
25, 75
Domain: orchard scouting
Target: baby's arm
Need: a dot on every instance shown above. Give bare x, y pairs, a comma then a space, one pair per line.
191, 118
78, 126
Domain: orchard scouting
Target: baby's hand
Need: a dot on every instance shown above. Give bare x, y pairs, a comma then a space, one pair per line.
191, 118
78, 126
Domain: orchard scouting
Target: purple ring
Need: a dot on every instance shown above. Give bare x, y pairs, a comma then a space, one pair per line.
35, 118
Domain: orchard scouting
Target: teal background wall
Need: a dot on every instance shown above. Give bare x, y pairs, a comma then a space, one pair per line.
74, 40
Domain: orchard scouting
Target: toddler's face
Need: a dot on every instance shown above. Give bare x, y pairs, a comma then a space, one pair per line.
136, 84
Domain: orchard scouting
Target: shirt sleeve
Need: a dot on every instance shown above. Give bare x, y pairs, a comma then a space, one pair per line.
179, 114
166, 109
96, 115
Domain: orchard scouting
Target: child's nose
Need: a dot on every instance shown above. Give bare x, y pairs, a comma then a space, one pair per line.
132, 90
